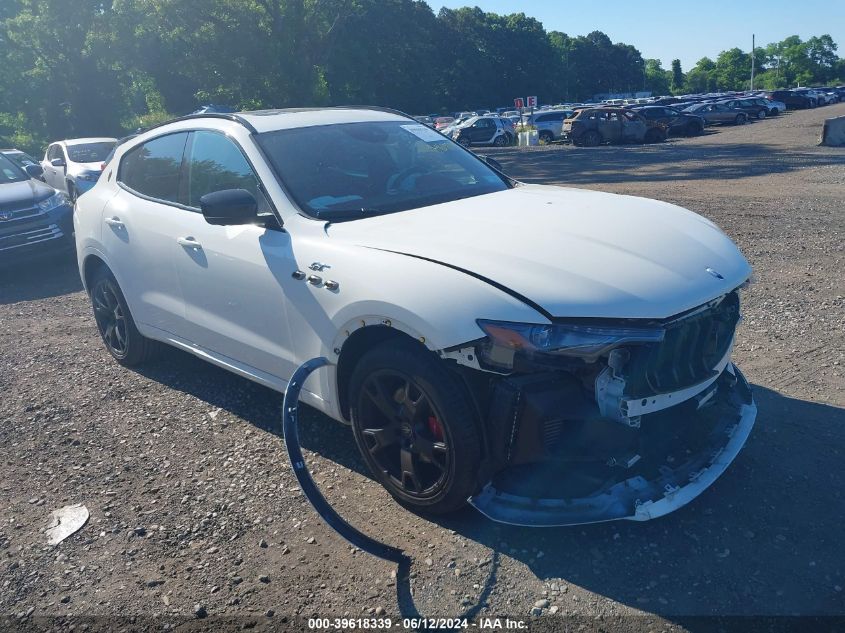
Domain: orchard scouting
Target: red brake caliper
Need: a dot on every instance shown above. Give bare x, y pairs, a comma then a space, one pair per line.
435, 428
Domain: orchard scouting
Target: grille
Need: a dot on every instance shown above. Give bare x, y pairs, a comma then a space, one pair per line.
691, 349
13, 212
33, 236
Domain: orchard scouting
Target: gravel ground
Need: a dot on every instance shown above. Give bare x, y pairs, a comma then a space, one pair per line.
195, 512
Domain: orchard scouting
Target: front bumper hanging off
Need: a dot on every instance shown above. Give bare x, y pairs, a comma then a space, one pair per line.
729, 417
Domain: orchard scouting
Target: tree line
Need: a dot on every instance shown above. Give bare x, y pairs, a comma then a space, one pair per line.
94, 67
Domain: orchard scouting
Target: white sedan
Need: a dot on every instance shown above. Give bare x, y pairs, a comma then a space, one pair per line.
551, 355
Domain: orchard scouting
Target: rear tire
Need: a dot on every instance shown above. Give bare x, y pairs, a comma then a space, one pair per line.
415, 427
654, 135
500, 141
761, 115
740, 119
115, 323
546, 137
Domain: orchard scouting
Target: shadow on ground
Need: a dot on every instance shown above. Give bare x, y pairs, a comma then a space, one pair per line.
39, 279
671, 161
764, 539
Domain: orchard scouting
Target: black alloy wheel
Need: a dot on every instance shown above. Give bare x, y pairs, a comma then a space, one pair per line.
115, 324
740, 119
464, 140
501, 140
414, 427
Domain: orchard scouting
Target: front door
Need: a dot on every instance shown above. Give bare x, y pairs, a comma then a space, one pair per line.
235, 279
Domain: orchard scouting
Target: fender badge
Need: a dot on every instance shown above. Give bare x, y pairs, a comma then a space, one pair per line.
715, 273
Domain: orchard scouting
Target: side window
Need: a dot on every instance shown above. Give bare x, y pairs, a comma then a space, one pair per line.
153, 169
53, 152
215, 163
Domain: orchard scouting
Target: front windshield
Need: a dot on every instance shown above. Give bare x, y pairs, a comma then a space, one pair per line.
352, 170
89, 152
9, 172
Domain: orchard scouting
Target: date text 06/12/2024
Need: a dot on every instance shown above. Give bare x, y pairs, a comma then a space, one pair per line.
415, 624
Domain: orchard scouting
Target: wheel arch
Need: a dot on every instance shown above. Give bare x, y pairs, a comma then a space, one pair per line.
353, 349
90, 265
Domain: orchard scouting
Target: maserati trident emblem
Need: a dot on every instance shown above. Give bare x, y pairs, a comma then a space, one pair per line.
715, 273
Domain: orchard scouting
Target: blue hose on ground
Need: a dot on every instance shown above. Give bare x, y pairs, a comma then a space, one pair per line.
312, 493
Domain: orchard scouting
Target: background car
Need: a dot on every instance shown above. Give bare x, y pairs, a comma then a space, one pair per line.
793, 99
549, 124
718, 113
485, 130
35, 219
594, 126
686, 123
752, 109
20, 158
74, 165
442, 122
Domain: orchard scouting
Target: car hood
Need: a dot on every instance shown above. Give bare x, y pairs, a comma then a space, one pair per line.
24, 192
572, 252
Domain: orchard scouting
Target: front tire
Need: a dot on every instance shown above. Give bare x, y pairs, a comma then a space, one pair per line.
740, 119
415, 427
501, 141
464, 141
115, 323
546, 137
761, 114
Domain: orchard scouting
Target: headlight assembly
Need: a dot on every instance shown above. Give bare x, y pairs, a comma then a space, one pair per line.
56, 200
505, 340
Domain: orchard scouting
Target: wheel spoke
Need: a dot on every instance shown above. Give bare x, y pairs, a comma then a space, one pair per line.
409, 471
386, 404
378, 439
432, 452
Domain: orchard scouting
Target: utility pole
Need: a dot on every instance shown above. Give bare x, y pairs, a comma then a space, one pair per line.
752, 62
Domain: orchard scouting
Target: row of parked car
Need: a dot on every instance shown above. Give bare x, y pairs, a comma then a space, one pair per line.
636, 120
36, 197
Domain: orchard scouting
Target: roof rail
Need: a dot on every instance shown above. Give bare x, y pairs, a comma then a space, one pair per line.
229, 116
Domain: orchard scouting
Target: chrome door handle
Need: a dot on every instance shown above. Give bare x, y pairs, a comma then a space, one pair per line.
190, 242
115, 221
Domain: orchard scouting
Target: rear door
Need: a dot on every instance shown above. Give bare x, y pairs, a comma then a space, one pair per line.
53, 176
140, 225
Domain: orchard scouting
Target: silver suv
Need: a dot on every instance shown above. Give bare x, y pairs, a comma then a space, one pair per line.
549, 124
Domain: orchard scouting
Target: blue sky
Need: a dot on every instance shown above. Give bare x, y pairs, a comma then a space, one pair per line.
667, 29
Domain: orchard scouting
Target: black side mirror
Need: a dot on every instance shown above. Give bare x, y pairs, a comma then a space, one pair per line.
34, 171
58, 162
492, 162
229, 207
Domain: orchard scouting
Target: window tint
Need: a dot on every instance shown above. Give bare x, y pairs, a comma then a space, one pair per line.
152, 169
53, 152
215, 163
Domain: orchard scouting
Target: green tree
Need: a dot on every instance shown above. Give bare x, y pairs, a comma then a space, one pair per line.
733, 70
677, 77
657, 80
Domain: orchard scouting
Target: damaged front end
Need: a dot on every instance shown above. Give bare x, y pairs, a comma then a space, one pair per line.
592, 421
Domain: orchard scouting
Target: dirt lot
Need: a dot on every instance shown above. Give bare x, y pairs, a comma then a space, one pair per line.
193, 506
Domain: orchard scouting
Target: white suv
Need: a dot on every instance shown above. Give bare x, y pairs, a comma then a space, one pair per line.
552, 355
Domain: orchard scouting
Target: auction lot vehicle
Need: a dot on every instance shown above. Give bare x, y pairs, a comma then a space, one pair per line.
594, 126
676, 122
553, 355
549, 123
74, 165
34, 219
20, 158
485, 130
718, 113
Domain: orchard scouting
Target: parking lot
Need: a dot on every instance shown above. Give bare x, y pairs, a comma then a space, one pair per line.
194, 507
